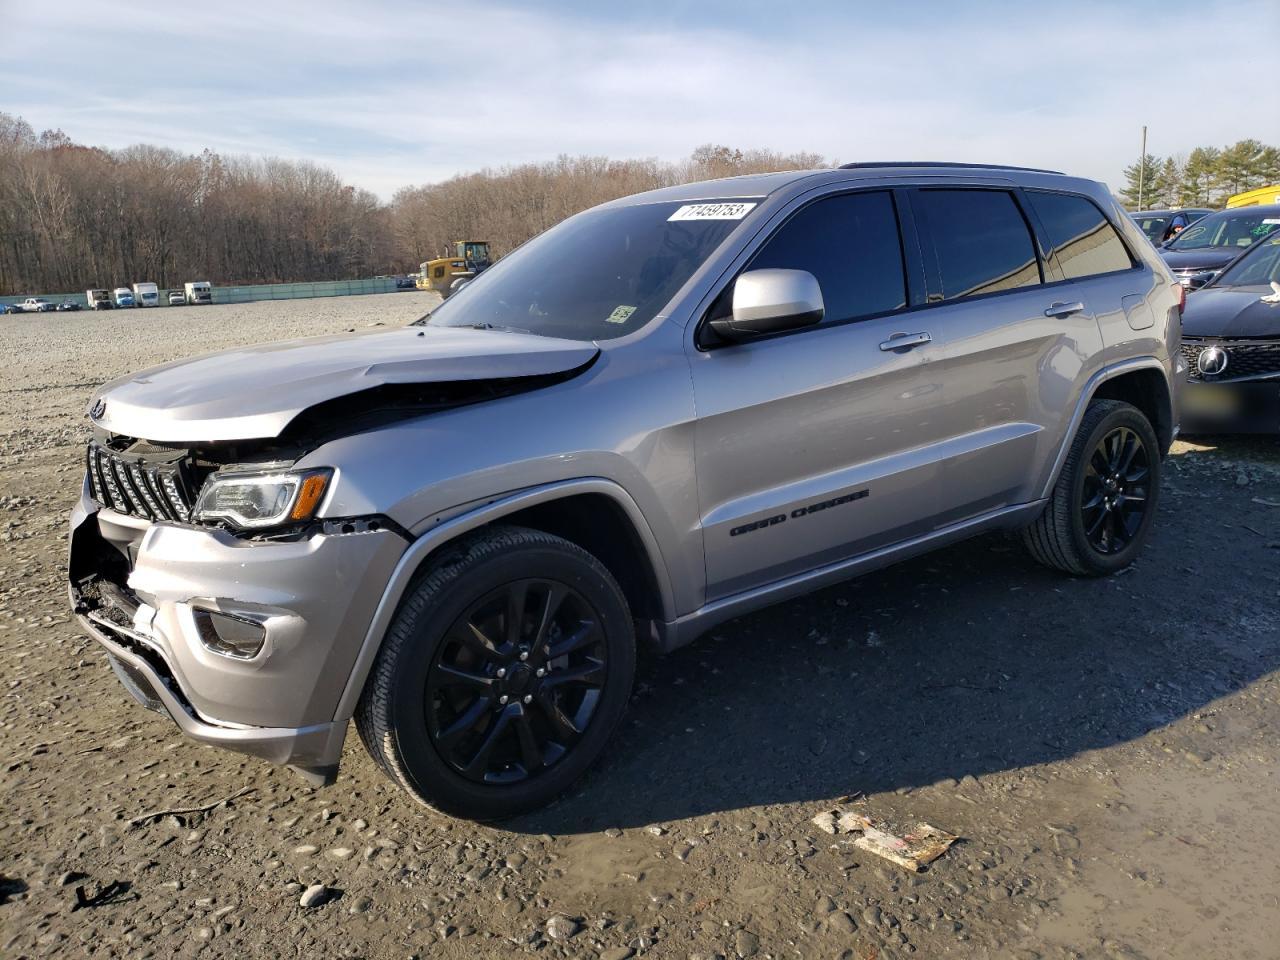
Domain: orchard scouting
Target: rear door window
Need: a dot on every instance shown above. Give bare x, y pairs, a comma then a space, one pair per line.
1154, 227
981, 242
1084, 241
851, 243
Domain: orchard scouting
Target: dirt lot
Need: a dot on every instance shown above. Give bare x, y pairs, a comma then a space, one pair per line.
1107, 750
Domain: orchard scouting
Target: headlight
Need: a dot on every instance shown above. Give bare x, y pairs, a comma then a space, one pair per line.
254, 500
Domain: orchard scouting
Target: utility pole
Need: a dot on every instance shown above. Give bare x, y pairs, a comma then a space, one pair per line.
1142, 169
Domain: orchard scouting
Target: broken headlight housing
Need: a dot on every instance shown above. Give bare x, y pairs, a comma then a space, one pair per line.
254, 501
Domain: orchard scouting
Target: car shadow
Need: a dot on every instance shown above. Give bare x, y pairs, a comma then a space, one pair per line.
968, 661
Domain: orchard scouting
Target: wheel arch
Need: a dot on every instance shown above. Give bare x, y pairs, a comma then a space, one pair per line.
1142, 382
1147, 389
595, 510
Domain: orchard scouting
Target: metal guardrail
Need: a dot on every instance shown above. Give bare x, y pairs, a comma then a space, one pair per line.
250, 292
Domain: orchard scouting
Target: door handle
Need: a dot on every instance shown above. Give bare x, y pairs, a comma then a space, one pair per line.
1062, 309
905, 341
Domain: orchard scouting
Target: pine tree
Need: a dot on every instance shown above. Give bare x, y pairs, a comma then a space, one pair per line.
1199, 177
1240, 167
1168, 185
1139, 182
1268, 166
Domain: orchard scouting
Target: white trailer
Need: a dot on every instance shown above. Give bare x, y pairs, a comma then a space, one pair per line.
98, 299
146, 295
201, 291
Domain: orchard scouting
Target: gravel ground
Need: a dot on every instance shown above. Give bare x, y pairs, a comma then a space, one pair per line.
1106, 749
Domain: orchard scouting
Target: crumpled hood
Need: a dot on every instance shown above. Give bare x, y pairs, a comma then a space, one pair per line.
1231, 312
1207, 258
251, 393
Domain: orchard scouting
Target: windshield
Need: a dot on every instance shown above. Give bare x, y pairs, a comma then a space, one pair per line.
1229, 229
1259, 267
596, 276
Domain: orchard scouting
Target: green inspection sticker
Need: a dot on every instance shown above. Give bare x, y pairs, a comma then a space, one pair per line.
620, 314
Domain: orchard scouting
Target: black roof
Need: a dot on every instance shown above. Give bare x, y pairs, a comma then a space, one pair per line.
942, 163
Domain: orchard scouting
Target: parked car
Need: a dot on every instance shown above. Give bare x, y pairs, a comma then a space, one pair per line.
1163, 225
68, 305
1231, 342
35, 305
9, 308
177, 298
1197, 254
405, 283
664, 412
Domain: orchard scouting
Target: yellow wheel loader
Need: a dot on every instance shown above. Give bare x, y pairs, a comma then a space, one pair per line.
448, 274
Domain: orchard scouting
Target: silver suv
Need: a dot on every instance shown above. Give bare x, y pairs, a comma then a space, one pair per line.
664, 412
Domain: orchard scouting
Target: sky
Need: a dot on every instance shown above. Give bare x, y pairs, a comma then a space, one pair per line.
391, 93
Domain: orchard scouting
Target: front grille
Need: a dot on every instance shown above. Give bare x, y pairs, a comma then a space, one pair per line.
141, 487
1245, 361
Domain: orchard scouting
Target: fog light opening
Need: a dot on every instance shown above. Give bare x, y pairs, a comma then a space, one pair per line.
235, 637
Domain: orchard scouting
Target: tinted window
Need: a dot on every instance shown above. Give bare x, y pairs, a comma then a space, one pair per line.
1086, 244
981, 240
1259, 267
1154, 227
851, 244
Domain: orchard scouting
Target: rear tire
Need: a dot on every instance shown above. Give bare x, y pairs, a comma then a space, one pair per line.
502, 676
1104, 502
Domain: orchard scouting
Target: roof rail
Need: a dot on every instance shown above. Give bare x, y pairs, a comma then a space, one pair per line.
927, 163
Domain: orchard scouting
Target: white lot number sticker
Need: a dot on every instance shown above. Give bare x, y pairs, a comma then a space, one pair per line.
712, 211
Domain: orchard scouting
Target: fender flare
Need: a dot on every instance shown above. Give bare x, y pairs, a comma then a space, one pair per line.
1086, 395
444, 533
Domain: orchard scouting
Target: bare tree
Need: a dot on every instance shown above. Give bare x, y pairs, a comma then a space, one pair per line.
73, 217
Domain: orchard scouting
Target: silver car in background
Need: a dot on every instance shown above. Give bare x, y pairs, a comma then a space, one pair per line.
662, 413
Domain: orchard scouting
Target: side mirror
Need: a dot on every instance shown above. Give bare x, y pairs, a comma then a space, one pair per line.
771, 301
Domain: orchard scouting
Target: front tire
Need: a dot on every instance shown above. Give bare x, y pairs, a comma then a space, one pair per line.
1104, 502
502, 676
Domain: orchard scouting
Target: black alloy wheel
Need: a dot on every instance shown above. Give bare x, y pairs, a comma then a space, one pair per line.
502, 676
516, 681
1103, 503
1114, 500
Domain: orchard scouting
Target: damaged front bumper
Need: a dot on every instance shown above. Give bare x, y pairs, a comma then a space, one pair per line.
148, 592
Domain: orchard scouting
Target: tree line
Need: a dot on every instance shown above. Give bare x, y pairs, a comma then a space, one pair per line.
1203, 178
74, 217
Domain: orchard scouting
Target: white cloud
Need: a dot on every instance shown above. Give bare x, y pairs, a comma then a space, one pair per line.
375, 92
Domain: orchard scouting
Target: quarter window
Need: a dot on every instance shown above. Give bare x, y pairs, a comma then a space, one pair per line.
1085, 243
981, 241
851, 244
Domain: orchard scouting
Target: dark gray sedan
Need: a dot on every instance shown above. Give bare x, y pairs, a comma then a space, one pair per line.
1202, 250
1231, 342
